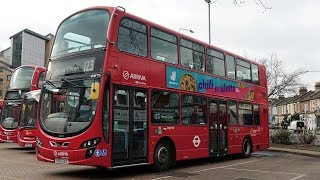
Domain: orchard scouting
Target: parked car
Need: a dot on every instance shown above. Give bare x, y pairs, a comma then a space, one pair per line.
296, 126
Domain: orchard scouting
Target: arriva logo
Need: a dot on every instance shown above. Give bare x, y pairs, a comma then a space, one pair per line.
61, 154
126, 75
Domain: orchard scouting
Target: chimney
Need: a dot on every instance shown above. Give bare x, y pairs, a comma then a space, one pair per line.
317, 87
302, 90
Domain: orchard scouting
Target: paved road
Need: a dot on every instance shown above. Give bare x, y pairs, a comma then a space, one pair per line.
20, 163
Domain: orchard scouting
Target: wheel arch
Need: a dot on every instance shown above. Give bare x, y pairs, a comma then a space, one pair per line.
168, 139
250, 139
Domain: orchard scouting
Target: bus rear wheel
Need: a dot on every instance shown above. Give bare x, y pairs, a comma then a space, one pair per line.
246, 148
163, 156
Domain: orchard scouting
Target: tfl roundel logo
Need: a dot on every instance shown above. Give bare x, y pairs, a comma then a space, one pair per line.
125, 75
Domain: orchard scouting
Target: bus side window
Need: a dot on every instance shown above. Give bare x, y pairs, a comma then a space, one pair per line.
243, 71
231, 73
245, 114
256, 114
215, 62
232, 113
164, 46
194, 110
255, 74
132, 37
165, 107
192, 55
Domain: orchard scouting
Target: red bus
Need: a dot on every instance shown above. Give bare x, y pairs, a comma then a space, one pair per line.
27, 120
131, 92
23, 79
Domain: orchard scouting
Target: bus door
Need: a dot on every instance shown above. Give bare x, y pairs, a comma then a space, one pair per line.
129, 144
218, 127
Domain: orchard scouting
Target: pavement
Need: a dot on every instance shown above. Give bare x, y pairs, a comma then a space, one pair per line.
295, 151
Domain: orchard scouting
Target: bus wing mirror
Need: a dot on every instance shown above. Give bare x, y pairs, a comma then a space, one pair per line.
94, 94
8, 77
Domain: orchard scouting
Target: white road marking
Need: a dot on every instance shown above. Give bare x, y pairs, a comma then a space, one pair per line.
221, 167
165, 177
272, 172
298, 177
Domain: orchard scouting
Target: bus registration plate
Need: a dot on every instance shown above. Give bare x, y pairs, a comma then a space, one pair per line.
28, 145
61, 161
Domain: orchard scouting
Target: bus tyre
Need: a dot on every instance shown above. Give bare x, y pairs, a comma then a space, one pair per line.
246, 148
163, 157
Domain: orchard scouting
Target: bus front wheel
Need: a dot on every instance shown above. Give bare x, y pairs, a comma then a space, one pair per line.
163, 156
246, 148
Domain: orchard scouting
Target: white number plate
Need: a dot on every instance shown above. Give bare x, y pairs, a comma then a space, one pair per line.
61, 161
28, 145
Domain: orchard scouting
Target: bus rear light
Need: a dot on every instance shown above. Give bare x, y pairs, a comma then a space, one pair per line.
90, 143
90, 152
39, 142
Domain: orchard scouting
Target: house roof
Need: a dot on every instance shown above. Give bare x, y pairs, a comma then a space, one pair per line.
307, 97
32, 33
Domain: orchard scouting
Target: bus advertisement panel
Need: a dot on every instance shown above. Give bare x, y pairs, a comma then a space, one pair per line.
131, 92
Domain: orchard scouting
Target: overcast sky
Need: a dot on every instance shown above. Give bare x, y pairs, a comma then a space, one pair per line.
291, 29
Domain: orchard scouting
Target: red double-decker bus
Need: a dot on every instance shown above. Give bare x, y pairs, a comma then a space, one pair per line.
23, 79
131, 92
27, 119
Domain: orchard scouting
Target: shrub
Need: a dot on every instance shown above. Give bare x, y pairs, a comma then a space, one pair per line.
307, 137
281, 137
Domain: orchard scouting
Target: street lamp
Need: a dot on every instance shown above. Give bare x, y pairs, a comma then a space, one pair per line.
209, 2
189, 30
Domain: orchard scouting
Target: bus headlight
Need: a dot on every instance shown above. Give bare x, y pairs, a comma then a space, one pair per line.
90, 152
39, 142
90, 143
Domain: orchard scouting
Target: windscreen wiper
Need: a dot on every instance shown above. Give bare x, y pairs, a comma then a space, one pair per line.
51, 83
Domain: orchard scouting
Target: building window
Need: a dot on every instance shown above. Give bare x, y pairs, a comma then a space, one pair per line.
194, 109
16, 51
164, 46
165, 107
215, 62
1, 69
1, 80
1, 96
192, 55
132, 37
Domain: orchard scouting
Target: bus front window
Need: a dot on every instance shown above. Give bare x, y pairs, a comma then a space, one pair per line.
21, 78
83, 31
29, 108
9, 117
67, 107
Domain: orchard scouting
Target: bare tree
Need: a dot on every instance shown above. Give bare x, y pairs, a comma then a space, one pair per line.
261, 3
281, 82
